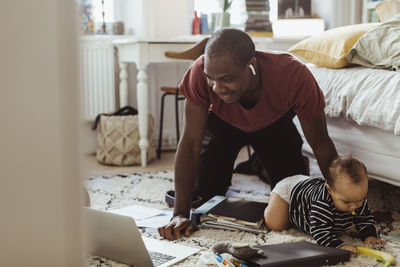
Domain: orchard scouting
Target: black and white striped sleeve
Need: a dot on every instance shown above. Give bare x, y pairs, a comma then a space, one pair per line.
321, 225
364, 221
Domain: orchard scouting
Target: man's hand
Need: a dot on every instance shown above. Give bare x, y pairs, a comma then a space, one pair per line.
374, 241
178, 224
350, 248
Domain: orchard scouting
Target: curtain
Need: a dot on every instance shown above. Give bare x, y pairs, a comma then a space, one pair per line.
345, 12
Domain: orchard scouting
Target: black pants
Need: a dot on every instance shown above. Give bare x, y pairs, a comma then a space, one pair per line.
278, 146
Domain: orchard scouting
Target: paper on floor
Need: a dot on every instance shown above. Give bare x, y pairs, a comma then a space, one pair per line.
146, 217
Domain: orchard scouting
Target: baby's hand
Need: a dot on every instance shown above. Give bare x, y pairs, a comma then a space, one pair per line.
374, 241
350, 248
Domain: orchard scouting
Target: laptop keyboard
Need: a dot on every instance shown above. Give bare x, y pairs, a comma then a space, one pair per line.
159, 258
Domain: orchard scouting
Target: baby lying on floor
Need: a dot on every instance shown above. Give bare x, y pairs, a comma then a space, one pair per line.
322, 207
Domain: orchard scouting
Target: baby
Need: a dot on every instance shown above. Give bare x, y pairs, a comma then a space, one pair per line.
322, 207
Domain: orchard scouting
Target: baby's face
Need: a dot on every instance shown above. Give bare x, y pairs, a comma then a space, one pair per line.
346, 195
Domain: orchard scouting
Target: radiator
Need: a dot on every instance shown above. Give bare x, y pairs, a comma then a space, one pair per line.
97, 77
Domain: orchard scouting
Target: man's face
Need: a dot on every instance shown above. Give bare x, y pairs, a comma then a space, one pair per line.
227, 80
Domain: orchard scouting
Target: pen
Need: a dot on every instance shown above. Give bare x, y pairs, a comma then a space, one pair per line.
239, 264
223, 261
234, 263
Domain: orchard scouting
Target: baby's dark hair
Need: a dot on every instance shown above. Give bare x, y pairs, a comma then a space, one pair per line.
349, 165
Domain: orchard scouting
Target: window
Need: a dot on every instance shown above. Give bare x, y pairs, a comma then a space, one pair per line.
98, 10
237, 9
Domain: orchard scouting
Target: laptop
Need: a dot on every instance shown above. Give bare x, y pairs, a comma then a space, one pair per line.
116, 237
298, 254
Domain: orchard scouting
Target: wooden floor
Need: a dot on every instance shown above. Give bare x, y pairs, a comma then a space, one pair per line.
91, 167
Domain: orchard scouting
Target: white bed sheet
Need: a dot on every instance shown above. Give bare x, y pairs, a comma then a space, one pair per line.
367, 96
378, 149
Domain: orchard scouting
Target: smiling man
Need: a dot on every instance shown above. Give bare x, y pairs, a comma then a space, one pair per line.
237, 96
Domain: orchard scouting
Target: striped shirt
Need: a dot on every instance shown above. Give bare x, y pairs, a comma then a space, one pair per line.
311, 210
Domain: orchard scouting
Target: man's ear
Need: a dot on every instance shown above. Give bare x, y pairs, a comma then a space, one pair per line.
252, 65
253, 61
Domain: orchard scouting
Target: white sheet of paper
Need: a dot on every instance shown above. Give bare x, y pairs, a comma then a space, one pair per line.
138, 212
146, 217
156, 221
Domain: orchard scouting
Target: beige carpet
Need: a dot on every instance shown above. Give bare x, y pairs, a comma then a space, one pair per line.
147, 189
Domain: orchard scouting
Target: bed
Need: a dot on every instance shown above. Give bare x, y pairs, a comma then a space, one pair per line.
363, 116
358, 69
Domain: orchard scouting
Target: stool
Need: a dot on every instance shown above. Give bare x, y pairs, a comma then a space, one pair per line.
190, 54
178, 96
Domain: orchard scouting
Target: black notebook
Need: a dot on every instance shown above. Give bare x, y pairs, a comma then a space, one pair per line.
230, 213
298, 254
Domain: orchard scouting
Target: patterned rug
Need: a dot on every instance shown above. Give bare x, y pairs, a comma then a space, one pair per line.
147, 189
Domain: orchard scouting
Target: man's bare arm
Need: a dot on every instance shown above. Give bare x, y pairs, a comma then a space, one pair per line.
187, 157
186, 172
317, 137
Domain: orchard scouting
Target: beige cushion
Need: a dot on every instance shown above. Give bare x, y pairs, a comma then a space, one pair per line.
380, 47
329, 48
387, 9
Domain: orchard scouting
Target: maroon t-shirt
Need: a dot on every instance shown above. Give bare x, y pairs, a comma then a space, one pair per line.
286, 84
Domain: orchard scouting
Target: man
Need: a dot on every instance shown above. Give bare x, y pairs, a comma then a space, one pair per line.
236, 96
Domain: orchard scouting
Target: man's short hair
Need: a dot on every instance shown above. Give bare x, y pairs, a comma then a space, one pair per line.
236, 42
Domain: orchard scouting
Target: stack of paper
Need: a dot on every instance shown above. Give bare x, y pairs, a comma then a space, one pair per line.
231, 214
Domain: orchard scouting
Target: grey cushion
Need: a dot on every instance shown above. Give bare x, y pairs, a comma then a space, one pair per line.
379, 47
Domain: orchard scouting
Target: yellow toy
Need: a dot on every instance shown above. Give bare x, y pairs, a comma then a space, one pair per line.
386, 258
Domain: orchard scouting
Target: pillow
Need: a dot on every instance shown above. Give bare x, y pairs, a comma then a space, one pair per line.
387, 9
329, 48
378, 48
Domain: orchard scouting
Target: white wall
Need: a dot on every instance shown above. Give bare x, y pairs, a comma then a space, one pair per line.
164, 19
161, 74
39, 113
338, 13
131, 13
155, 18
152, 19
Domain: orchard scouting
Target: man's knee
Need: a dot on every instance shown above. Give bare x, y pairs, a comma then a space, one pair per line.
206, 192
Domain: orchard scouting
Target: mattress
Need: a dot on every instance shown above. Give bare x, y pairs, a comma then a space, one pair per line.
366, 96
377, 148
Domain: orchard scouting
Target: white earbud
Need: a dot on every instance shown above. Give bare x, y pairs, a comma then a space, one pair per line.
252, 69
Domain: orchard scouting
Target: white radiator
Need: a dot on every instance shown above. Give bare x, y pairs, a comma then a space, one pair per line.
97, 75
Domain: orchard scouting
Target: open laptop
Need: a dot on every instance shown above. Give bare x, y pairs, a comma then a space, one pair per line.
117, 237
